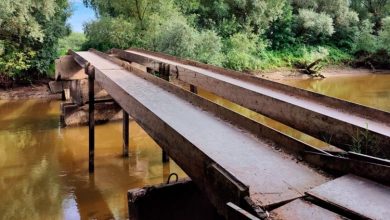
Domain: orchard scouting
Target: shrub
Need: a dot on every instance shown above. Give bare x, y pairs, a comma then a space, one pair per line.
208, 48
241, 52
107, 33
384, 34
316, 24
366, 41
74, 41
177, 38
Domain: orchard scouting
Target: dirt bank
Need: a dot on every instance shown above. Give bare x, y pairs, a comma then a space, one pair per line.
333, 71
38, 90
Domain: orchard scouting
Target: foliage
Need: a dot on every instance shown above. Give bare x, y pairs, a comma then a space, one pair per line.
208, 48
384, 34
315, 24
108, 32
241, 49
30, 31
74, 41
366, 41
244, 34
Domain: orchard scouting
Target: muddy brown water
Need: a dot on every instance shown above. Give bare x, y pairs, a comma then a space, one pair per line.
366, 89
44, 168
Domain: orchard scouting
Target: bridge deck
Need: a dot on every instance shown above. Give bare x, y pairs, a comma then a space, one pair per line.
340, 121
272, 176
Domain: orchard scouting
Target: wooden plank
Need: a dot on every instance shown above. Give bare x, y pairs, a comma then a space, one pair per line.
301, 210
357, 195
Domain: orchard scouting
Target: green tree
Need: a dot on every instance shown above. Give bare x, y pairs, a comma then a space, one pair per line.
30, 30
366, 41
108, 32
384, 34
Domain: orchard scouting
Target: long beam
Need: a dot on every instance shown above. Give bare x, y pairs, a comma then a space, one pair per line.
336, 121
228, 156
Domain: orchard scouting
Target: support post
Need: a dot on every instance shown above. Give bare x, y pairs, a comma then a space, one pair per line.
125, 134
91, 122
193, 89
164, 70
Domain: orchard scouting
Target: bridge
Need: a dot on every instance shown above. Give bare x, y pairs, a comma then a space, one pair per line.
236, 161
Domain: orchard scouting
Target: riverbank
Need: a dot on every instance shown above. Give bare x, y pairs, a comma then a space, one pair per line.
36, 90
288, 74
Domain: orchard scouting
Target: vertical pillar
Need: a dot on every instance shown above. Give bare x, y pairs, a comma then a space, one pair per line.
193, 89
91, 122
125, 134
164, 70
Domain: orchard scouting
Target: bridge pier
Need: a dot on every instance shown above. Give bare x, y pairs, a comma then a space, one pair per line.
125, 133
90, 71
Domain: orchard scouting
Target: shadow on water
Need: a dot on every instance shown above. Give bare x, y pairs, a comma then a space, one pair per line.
44, 169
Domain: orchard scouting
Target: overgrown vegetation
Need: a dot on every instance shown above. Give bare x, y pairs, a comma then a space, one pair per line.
29, 33
243, 35
74, 41
248, 34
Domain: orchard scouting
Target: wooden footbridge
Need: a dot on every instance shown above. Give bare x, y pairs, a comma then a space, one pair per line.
235, 161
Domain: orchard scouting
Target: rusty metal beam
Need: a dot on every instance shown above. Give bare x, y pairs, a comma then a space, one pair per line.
321, 116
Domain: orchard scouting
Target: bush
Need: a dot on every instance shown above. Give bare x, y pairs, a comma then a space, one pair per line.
315, 24
208, 48
366, 41
74, 41
177, 38
241, 52
384, 34
107, 33
14, 61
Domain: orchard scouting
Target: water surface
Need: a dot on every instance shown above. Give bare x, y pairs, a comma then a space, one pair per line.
367, 89
44, 168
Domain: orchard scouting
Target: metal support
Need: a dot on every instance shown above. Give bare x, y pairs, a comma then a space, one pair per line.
125, 134
193, 89
164, 70
91, 122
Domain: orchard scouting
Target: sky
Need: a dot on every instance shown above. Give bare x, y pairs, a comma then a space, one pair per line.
80, 15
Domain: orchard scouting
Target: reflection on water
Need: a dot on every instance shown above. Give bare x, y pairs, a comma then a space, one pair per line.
44, 169
368, 89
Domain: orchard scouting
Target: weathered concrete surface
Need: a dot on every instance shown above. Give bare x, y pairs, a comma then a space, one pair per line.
302, 210
58, 86
73, 115
79, 92
364, 198
323, 117
221, 158
68, 69
177, 201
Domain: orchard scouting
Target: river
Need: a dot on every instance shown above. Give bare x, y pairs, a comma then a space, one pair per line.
44, 168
